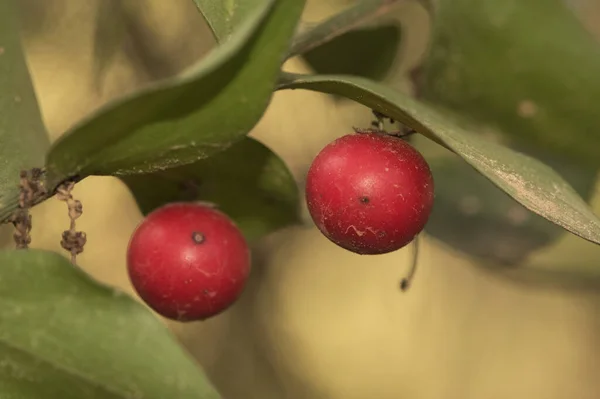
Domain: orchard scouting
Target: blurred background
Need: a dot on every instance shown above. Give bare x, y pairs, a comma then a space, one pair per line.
502, 305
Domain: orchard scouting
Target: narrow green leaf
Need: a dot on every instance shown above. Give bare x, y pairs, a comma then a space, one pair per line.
368, 52
529, 67
225, 15
493, 225
23, 138
532, 183
183, 120
248, 182
63, 336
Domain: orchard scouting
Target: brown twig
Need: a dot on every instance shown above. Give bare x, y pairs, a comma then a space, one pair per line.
72, 240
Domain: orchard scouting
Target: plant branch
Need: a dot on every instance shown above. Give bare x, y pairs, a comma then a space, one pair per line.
9, 204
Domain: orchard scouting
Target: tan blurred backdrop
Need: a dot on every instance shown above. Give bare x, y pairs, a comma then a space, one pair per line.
315, 320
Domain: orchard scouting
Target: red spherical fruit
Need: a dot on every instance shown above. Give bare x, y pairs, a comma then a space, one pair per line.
188, 261
369, 193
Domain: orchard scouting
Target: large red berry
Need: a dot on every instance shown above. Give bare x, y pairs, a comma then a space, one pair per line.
188, 261
369, 193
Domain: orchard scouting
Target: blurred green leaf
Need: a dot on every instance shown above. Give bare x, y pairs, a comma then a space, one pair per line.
528, 67
183, 120
363, 12
532, 183
248, 182
122, 27
492, 224
224, 16
6, 231
369, 52
23, 138
62, 335
109, 33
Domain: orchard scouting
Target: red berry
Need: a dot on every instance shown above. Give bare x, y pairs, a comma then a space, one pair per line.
369, 193
188, 261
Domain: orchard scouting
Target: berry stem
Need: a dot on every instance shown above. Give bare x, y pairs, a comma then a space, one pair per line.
407, 281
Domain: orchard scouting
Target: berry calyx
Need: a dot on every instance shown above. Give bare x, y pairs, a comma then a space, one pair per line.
188, 261
370, 193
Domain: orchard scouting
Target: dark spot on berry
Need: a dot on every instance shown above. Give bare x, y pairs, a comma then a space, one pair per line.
364, 200
198, 238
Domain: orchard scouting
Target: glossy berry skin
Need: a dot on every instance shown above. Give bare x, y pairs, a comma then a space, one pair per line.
369, 193
188, 261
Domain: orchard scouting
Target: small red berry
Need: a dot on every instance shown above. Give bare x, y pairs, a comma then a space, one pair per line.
188, 261
369, 193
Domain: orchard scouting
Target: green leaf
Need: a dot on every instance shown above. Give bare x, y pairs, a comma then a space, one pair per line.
247, 181
529, 67
225, 15
532, 183
23, 138
62, 335
369, 52
492, 224
183, 120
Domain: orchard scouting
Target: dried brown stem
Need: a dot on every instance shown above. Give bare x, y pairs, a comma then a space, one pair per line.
72, 240
31, 187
